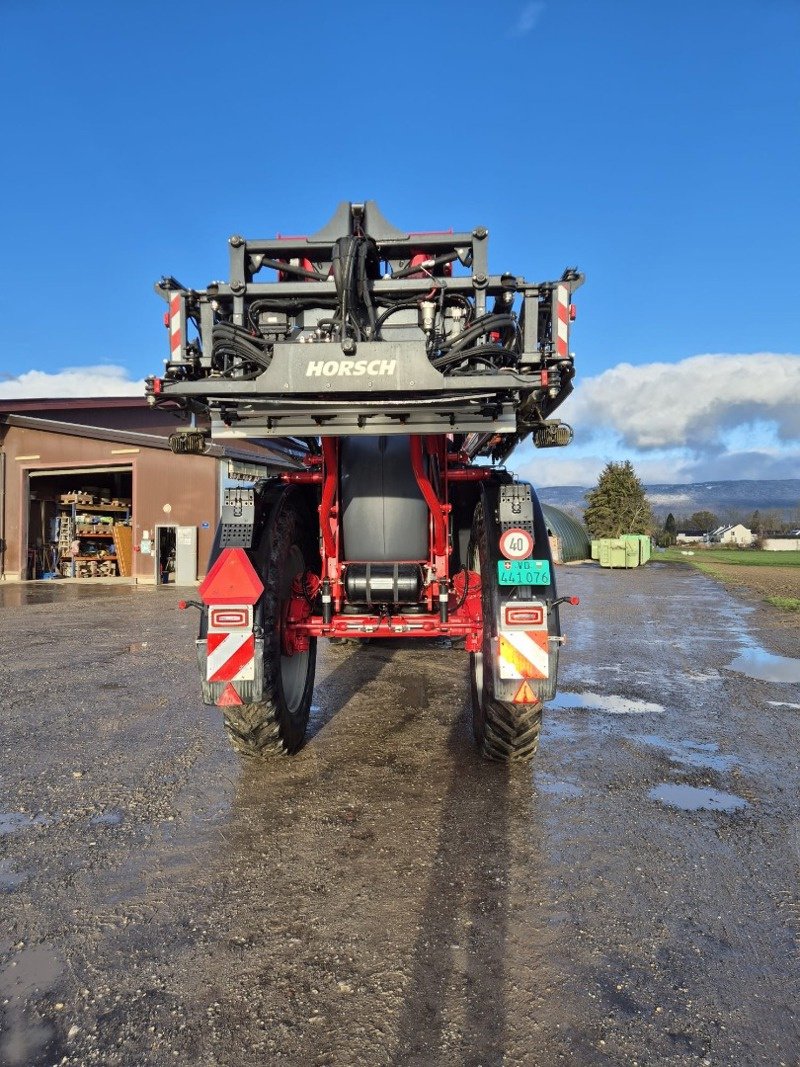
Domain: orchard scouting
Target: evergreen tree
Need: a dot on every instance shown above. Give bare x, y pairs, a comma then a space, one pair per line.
618, 504
667, 535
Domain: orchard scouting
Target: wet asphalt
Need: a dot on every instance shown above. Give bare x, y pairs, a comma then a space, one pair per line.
385, 897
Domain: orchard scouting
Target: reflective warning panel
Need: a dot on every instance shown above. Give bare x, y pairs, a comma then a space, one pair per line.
524, 654
525, 695
231, 657
231, 580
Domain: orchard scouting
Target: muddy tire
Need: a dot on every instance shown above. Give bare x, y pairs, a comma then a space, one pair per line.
277, 724
504, 732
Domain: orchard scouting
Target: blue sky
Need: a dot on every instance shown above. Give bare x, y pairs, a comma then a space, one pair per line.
655, 145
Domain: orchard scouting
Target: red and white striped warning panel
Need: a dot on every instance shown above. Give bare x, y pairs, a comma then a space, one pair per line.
175, 325
524, 654
562, 321
230, 643
524, 646
231, 657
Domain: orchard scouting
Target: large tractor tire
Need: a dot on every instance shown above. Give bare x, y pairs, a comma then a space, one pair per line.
504, 732
277, 724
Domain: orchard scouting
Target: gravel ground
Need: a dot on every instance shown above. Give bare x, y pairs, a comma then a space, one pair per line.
385, 897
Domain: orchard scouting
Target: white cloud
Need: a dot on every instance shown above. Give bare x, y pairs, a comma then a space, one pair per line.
103, 380
706, 418
528, 17
690, 404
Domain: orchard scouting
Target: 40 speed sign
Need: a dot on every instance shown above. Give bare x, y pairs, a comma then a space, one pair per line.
516, 544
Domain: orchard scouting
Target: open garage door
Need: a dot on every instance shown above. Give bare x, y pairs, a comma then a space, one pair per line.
80, 522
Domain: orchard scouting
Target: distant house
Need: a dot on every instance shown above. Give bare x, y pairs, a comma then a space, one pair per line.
690, 537
733, 535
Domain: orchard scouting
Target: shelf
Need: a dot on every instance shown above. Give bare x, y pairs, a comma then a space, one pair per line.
103, 537
95, 559
121, 508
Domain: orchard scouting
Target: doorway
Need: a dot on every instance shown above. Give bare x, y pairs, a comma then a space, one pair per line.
165, 554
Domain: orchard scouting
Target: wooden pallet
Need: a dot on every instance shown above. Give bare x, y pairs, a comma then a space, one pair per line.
123, 542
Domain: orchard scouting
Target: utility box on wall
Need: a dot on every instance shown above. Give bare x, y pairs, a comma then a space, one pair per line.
185, 555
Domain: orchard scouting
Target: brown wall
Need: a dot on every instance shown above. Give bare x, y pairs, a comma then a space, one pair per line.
189, 484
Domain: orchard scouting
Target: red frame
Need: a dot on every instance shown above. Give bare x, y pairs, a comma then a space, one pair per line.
461, 592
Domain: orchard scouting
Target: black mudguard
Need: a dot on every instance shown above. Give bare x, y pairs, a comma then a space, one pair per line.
545, 689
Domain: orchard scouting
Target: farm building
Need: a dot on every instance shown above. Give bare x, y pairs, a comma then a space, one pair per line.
89, 488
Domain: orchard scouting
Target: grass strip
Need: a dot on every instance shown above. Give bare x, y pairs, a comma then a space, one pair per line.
785, 603
745, 557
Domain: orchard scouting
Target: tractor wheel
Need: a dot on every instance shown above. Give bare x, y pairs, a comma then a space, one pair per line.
278, 723
505, 732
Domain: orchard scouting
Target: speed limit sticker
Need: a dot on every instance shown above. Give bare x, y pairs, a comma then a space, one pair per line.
516, 544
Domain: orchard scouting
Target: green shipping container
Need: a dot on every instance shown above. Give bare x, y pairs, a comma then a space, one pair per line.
616, 552
595, 550
646, 549
642, 542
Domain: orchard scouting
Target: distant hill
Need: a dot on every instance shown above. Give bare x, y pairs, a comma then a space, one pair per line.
723, 498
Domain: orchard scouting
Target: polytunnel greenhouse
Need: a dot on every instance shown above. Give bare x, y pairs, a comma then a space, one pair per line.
572, 538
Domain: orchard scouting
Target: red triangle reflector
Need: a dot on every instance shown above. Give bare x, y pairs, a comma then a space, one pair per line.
229, 696
525, 695
231, 580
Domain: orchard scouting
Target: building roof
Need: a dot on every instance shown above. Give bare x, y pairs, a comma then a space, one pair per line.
726, 529
70, 403
269, 454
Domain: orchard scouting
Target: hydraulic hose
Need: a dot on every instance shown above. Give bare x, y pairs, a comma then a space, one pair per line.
480, 326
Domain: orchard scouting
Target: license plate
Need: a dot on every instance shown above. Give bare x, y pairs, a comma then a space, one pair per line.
523, 571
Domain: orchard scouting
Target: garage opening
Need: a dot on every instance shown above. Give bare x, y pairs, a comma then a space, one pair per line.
80, 523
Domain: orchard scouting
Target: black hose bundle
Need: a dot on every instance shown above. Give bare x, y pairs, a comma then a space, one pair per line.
238, 353
485, 324
495, 357
354, 262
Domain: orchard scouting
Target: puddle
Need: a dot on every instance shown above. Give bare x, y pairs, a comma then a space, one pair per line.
112, 817
784, 704
607, 703
9, 878
32, 970
690, 753
692, 798
763, 666
557, 788
29, 974
13, 821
